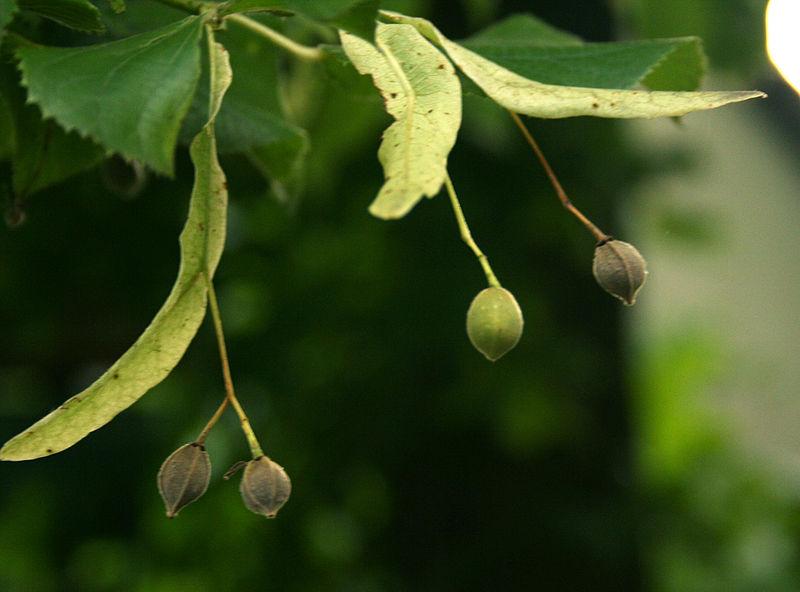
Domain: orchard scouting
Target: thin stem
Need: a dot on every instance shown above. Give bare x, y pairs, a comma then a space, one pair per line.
466, 235
562, 195
255, 447
213, 421
303, 52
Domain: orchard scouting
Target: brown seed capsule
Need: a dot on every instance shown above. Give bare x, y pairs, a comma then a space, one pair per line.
619, 269
494, 322
184, 477
265, 486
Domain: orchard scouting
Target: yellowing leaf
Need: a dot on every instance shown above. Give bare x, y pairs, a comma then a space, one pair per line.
422, 93
536, 99
163, 343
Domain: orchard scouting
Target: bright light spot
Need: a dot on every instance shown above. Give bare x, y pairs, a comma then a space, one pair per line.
783, 38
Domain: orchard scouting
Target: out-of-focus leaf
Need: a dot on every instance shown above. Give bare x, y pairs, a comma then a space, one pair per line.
530, 97
251, 119
353, 16
163, 343
531, 48
7, 10
75, 14
129, 95
421, 91
42, 153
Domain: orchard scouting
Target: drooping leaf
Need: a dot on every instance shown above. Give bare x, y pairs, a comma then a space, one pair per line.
163, 343
251, 120
353, 16
537, 99
42, 153
421, 91
526, 46
75, 14
129, 95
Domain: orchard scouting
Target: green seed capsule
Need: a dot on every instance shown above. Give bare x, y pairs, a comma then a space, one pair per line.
494, 322
619, 269
184, 477
265, 486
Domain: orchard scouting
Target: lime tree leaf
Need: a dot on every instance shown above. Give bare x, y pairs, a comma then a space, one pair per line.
530, 97
75, 14
163, 343
353, 16
129, 95
526, 46
251, 120
421, 91
42, 153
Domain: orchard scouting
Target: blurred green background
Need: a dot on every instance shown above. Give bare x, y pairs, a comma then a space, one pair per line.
652, 448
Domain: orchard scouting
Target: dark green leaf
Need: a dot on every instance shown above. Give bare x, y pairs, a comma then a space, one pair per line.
533, 49
354, 16
251, 119
43, 154
75, 14
129, 95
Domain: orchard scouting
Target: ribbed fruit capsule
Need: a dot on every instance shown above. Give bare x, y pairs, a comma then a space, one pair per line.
265, 486
184, 477
619, 269
494, 322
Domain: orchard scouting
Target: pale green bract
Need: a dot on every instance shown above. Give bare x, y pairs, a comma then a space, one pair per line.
522, 95
421, 91
163, 343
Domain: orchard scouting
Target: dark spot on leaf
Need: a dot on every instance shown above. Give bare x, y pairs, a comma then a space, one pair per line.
595, 105
201, 226
49, 451
393, 95
440, 67
115, 376
225, 185
430, 110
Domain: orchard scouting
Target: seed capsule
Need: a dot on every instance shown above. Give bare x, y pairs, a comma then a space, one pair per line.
265, 486
494, 322
184, 477
619, 269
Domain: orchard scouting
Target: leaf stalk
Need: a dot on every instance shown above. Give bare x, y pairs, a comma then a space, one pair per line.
562, 195
466, 235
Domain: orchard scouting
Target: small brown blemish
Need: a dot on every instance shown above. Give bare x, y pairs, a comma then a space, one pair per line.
440, 67
115, 376
430, 110
393, 95
225, 185
595, 105
49, 451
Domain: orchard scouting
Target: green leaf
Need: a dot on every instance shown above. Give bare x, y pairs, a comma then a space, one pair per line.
42, 153
530, 97
75, 14
528, 47
421, 91
353, 16
129, 95
7, 10
163, 343
251, 120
